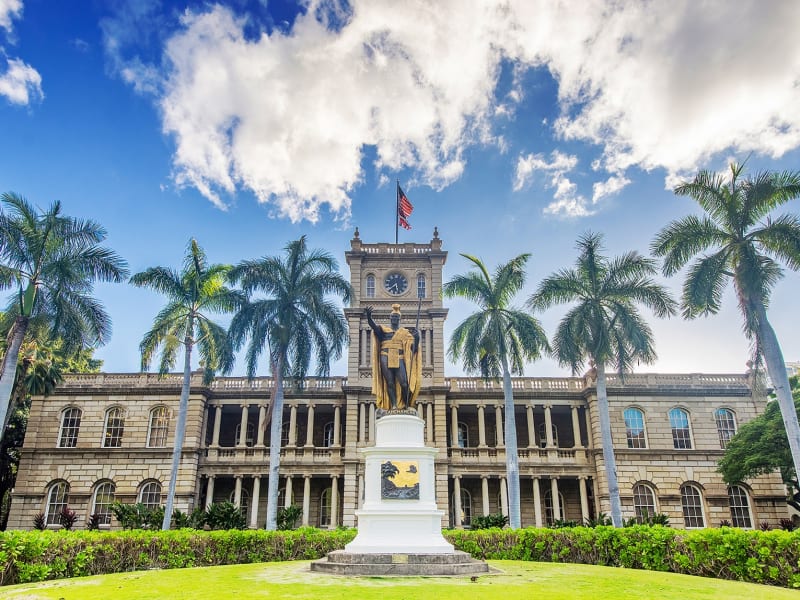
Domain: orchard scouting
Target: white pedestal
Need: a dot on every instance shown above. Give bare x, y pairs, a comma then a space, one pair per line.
399, 526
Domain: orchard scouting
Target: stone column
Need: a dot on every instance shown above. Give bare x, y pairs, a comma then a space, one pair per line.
361, 421
237, 491
372, 422
481, 426
262, 417
292, 426
204, 428
306, 499
429, 422
421, 410
242, 441
255, 500
457, 501
288, 495
554, 494
454, 426
334, 502
531, 426
337, 425
503, 496
498, 424
217, 425
576, 428
548, 426
310, 427
584, 499
485, 494
537, 502
588, 420
210, 491
360, 502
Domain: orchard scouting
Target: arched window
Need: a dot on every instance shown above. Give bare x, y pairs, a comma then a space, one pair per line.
463, 435
101, 502
325, 509
57, 500
150, 494
740, 507
466, 508
327, 435
70, 426
370, 291
644, 502
692, 504
115, 427
159, 427
681, 432
420, 286
634, 428
244, 502
726, 425
549, 512
250, 435
543, 435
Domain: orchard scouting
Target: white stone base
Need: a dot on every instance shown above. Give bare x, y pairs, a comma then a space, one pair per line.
393, 525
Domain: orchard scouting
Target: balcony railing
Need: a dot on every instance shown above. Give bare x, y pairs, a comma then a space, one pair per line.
527, 456
139, 380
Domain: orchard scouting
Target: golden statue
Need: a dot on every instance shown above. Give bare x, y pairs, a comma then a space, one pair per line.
396, 364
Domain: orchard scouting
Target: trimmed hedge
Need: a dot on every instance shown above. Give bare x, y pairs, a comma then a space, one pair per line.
771, 557
767, 557
27, 556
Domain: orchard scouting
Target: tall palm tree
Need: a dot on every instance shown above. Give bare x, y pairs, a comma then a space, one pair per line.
604, 325
738, 238
198, 289
52, 261
497, 341
294, 322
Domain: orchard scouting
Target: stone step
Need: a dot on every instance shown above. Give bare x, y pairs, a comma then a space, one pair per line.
457, 563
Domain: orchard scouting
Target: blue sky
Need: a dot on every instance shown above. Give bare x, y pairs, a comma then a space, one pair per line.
513, 127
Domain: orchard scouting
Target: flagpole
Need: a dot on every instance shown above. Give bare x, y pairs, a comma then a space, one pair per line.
396, 212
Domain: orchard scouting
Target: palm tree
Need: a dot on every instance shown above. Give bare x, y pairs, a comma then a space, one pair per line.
738, 239
194, 292
293, 322
497, 341
52, 261
604, 326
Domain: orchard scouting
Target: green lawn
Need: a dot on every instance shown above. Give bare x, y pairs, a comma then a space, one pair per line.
294, 581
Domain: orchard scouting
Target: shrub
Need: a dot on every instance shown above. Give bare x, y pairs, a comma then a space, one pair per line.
601, 520
498, 520
39, 521
287, 517
138, 516
787, 524
225, 515
67, 517
93, 524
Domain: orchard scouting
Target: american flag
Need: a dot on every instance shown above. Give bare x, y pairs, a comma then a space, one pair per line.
404, 208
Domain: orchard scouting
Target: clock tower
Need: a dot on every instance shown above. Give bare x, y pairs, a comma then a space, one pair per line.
409, 274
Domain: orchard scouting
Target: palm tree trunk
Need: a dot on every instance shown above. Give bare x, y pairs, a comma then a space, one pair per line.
180, 429
10, 368
773, 357
512, 460
608, 446
276, 427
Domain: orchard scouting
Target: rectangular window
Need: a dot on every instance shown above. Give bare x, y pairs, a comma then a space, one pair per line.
681, 435
115, 427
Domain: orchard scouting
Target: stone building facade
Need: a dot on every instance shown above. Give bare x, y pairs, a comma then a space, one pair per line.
108, 437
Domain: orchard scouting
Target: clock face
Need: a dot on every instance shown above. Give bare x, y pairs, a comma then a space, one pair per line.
395, 283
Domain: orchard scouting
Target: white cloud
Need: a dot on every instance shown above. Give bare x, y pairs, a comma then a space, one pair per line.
9, 10
288, 116
20, 83
609, 187
567, 202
